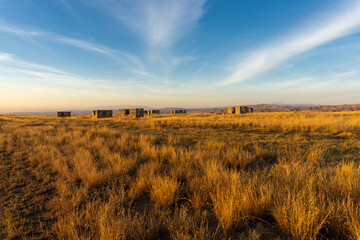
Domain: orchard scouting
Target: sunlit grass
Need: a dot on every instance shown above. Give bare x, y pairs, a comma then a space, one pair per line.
195, 176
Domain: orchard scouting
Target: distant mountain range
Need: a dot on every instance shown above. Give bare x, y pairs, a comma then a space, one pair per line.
257, 108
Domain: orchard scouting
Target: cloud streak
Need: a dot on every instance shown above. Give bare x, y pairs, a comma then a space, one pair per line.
159, 22
11, 67
344, 22
129, 60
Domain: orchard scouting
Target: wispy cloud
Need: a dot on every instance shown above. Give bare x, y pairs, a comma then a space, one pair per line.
343, 22
68, 8
159, 22
4, 27
11, 66
132, 62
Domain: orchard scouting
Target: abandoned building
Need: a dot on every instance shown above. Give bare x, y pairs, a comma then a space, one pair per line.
131, 112
102, 113
178, 111
150, 112
240, 110
64, 114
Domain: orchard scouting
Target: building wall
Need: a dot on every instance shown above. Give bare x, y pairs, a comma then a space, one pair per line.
102, 113
240, 110
178, 111
64, 114
131, 113
231, 110
154, 111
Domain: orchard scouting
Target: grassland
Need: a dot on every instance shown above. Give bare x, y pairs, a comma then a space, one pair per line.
196, 176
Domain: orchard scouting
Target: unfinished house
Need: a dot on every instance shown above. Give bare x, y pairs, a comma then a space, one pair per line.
64, 114
131, 112
178, 111
102, 113
240, 110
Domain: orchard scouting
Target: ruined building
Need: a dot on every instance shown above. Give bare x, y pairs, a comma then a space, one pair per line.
240, 110
131, 112
102, 113
64, 114
178, 111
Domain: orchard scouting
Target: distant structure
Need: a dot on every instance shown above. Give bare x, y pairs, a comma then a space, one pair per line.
102, 113
150, 112
178, 111
231, 110
64, 114
240, 110
131, 112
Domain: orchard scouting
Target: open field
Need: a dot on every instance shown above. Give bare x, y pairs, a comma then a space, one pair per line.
197, 176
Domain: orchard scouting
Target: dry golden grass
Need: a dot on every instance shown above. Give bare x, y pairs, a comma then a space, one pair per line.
195, 176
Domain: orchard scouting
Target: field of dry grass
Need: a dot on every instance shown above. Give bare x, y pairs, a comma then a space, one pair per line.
196, 176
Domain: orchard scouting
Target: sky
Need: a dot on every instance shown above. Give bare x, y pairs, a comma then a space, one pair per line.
82, 54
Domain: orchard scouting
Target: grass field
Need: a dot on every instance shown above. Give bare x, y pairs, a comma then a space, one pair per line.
197, 176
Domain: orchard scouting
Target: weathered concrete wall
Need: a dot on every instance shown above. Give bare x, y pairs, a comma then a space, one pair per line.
231, 110
64, 114
131, 112
123, 112
178, 111
102, 113
240, 110
154, 111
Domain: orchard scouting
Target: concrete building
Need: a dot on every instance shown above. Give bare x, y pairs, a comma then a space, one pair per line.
102, 113
240, 110
150, 112
131, 112
64, 114
231, 110
178, 111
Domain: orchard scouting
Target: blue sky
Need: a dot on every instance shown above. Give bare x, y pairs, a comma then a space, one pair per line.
74, 54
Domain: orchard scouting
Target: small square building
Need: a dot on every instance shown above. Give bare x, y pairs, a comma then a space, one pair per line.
102, 113
240, 110
64, 114
231, 110
150, 112
131, 112
178, 111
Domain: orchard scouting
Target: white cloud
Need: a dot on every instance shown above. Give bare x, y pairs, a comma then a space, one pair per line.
130, 61
5, 57
344, 22
14, 30
159, 22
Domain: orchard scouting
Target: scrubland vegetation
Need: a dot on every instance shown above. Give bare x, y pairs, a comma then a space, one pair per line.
196, 176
